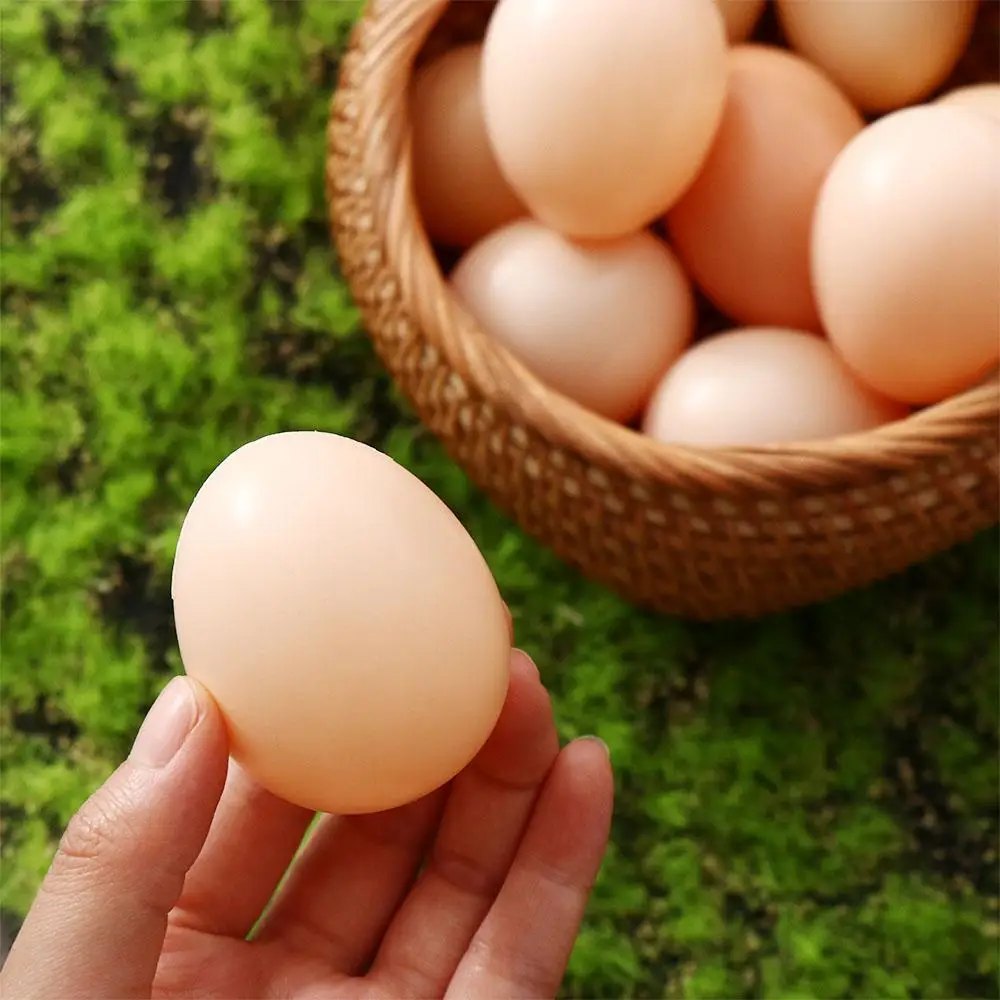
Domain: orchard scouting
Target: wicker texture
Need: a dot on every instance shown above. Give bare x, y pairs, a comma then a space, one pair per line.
701, 533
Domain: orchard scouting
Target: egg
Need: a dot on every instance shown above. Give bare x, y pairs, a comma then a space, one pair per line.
597, 322
599, 116
884, 53
762, 386
344, 621
906, 252
460, 191
742, 229
983, 97
741, 17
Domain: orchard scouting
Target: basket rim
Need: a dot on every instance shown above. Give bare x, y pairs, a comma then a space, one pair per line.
382, 53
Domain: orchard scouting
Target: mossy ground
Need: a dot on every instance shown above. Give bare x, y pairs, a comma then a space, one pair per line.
807, 806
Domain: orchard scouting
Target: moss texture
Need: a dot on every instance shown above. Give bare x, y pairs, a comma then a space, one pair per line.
807, 805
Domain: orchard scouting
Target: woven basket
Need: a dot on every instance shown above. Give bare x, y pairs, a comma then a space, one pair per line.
696, 532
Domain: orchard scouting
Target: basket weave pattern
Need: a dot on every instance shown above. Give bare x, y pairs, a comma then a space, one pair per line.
701, 533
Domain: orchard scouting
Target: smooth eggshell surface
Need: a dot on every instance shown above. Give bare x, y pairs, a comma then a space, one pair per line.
459, 188
597, 322
906, 252
982, 97
344, 621
763, 386
600, 118
884, 53
741, 17
742, 229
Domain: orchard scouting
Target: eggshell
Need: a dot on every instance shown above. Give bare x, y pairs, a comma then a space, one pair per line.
344, 621
762, 386
460, 190
600, 117
741, 17
906, 252
884, 53
597, 322
983, 97
742, 228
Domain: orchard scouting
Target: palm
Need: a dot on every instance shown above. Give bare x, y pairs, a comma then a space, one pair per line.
196, 964
505, 856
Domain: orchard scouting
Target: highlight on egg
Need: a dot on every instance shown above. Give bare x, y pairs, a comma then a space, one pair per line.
599, 120
906, 252
343, 620
598, 322
763, 386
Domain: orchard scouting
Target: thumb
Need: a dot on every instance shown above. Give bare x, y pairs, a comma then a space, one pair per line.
97, 926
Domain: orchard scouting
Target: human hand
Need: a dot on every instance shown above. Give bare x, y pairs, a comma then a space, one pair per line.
166, 869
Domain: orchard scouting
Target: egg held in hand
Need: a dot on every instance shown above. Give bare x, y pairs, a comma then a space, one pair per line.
762, 386
459, 189
597, 322
906, 252
742, 229
599, 114
344, 621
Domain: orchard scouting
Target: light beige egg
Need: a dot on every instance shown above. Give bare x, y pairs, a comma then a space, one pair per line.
459, 188
742, 228
600, 117
884, 53
906, 252
597, 322
762, 386
982, 97
344, 621
741, 17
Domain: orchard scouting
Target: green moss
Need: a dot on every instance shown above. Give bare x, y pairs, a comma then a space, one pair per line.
806, 805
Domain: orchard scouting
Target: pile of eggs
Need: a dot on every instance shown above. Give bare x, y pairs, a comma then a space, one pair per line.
610, 171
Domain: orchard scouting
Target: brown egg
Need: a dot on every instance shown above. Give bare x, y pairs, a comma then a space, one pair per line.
460, 191
742, 229
344, 621
906, 252
598, 322
763, 386
741, 17
601, 115
982, 97
884, 53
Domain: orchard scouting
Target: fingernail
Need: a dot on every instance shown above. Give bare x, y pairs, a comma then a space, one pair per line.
167, 725
599, 742
528, 661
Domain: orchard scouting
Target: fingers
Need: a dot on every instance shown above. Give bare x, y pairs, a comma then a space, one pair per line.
524, 944
251, 843
487, 810
98, 923
341, 893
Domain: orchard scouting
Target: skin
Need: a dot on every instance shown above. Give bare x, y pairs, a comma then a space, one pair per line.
164, 872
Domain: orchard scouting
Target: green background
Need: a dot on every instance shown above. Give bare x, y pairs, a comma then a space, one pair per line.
807, 805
